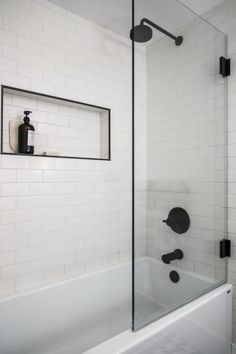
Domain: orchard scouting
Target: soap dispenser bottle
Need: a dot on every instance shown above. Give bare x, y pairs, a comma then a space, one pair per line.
26, 137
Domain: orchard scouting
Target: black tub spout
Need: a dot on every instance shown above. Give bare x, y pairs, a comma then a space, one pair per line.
169, 257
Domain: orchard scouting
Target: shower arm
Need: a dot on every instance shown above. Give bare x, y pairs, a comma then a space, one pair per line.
178, 40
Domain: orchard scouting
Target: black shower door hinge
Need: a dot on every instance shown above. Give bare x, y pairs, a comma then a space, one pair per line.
225, 248
224, 66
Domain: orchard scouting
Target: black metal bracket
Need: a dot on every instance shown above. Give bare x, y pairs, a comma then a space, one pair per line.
225, 248
224, 66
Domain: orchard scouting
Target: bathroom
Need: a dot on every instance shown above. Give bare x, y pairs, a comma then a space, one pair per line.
118, 177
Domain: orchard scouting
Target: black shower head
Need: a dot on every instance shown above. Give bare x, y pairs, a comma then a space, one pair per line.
141, 33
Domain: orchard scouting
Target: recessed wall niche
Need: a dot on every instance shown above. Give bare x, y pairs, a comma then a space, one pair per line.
63, 127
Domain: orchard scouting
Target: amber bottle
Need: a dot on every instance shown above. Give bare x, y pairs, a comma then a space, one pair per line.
26, 137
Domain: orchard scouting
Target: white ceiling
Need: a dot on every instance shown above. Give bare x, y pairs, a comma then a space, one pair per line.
115, 15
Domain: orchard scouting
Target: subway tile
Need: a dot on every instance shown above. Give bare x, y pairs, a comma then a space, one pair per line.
29, 254
13, 271
29, 71
10, 51
53, 176
41, 214
7, 203
53, 201
29, 202
53, 275
15, 189
24, 42
13, 244
43, 12
74, 270
16, 27
41, 188
63, 260
7, 287
29, 18
40, 265
8, 175
15, 162
7, 259
42, 163
24, 5
94, 264
7, 230
40, 239
8, 65
8, 11
28, 282
29, 176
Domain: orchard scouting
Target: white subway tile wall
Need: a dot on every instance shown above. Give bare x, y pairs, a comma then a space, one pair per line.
60, 218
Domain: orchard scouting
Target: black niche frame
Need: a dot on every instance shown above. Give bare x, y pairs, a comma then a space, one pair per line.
108, 110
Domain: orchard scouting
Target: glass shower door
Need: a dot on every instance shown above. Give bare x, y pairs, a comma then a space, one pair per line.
180, 115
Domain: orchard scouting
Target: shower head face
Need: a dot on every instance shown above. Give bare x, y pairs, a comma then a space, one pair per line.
141, 33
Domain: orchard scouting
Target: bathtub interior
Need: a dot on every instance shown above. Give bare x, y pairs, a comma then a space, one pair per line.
77, 315
156, 294
203, 326
203, 330
70, 317
187, 341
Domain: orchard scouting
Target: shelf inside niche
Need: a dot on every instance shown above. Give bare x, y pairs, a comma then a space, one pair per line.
63, 127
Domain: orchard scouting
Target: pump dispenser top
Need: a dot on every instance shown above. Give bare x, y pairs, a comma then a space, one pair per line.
27, 118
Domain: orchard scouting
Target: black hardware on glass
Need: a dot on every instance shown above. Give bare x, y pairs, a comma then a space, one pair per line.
225, 248
143, 33
224, 66
172, 256
178, 220
174, 276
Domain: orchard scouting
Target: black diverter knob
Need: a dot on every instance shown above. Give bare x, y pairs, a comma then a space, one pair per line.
178, 220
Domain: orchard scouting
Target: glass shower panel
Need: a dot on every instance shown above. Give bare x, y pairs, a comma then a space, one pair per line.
179, 158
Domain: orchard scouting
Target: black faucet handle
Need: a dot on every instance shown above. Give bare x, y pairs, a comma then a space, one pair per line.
167, 221
178, 220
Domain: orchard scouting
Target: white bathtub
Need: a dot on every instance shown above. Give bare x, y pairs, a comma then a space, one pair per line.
203, 326
156, 295
67, 318
75, 316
